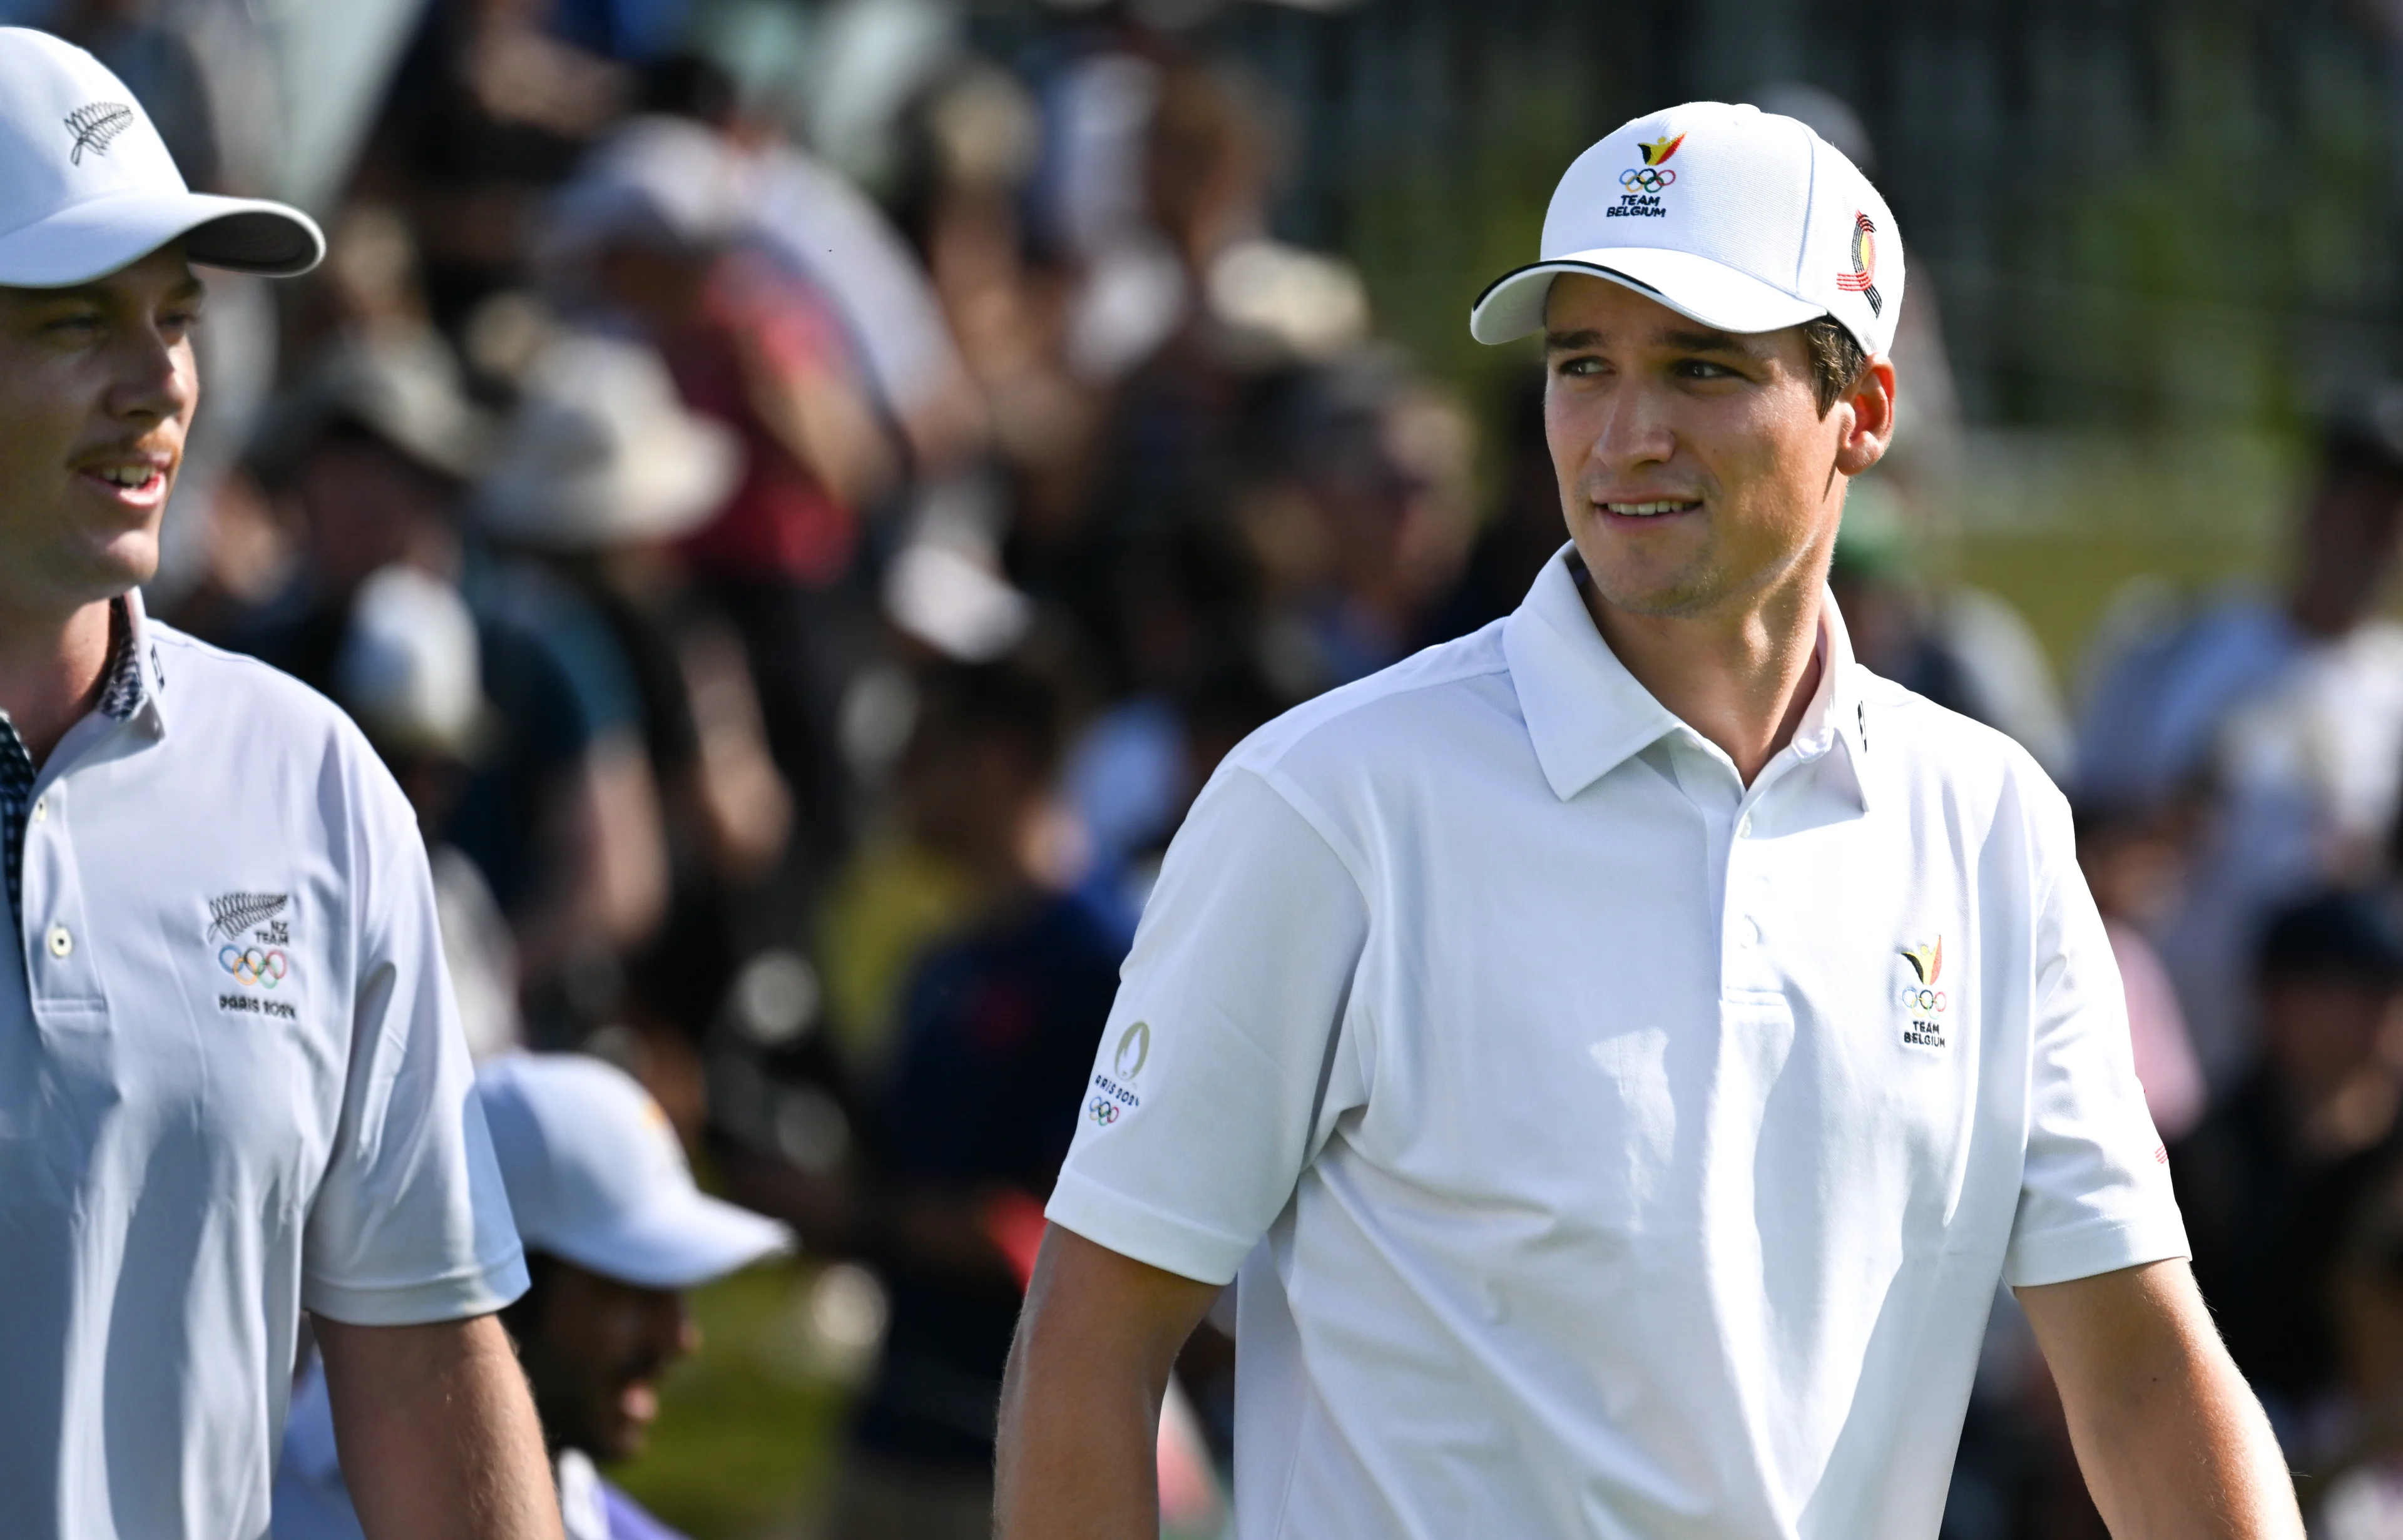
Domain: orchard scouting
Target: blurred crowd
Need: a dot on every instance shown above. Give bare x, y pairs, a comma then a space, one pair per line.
802, 552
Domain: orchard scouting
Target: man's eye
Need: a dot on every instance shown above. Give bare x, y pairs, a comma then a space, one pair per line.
1581, 366
72, 326
1702, 368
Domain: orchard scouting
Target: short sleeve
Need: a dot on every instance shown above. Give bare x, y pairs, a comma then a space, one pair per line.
2095, 1193
410, 1223
1207, 1088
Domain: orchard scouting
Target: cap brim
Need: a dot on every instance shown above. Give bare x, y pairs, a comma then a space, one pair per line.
100, 235
659, 488
1710, 292
676, 1243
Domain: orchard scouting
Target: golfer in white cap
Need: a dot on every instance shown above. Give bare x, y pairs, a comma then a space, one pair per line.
1622, 1052
615, 1232
232, 1084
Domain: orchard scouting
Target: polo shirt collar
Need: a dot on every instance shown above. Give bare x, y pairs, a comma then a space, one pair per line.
139, 680
1587, 715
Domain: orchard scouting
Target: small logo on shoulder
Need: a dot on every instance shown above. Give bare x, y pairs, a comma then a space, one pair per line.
96, 126
1924, 1005
1115, 1097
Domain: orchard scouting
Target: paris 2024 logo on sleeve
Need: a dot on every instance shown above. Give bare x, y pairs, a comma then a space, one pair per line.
1114, 1092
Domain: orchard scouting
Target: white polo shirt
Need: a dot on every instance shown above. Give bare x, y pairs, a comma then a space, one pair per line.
1635, 1152
232, 1086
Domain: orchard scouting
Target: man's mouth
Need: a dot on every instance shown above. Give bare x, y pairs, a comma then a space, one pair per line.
1653, 508
136, 481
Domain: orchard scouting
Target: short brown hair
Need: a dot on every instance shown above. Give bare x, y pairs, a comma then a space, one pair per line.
1836, 360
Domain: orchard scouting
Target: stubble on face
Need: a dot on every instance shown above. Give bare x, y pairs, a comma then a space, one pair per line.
1645, 407
97, 390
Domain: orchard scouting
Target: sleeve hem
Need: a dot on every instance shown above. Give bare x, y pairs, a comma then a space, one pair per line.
1137, 1231
457, 1297
2088, 1250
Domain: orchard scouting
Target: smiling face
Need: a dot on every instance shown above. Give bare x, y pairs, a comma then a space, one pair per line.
1697, 472
97, 388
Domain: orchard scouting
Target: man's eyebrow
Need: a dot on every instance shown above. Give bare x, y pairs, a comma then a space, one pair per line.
98, 293
1706, 341
1562, 342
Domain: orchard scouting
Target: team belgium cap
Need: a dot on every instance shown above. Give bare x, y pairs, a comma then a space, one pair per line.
87, 184
1742, 219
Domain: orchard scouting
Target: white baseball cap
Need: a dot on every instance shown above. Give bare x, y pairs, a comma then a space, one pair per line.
602, 451
1742, 219
87, 184
596, 1176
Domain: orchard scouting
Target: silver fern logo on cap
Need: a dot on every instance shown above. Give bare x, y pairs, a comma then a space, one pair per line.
95, 124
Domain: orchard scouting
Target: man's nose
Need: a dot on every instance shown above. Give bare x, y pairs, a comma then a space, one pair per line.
1634, 431
155, 378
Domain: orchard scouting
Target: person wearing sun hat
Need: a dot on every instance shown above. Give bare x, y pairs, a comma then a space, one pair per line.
233, 1083
615, 1232
1623, 1051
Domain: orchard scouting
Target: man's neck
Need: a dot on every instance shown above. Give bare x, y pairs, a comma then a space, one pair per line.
1744, 682
51, 669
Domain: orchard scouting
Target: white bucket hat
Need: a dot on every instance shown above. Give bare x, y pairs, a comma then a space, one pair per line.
596, 1176
602, 452
87, 184
1742, 219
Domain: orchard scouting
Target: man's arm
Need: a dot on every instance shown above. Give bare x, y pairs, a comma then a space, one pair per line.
2170, 1436
437, 1432
1081, 1405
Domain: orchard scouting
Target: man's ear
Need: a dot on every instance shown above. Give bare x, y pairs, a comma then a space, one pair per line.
1867, 415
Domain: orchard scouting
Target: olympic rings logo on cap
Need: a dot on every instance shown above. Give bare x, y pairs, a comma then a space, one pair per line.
250, 966
1645, 179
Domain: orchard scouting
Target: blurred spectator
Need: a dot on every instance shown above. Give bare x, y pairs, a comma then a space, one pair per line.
2257, 1179
490, 111
998, 1025
2135, 863
602, 470
408, 672
2290, 713
1361, 520
652, 225
372, 451
614, 1232
826, 228
2353, 1489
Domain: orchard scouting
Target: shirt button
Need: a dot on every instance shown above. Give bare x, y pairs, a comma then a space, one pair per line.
61, 942
41, 808
1743, 827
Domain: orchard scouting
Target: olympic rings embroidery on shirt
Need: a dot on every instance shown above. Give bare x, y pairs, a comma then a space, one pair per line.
1102, 1111
1645, 179
250, 966
1932, 1000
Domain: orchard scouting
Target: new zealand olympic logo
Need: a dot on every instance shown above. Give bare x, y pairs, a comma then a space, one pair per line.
254, 967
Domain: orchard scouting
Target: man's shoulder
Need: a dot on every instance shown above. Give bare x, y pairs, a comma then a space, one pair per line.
236, 689
1947, 747
1419, 695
